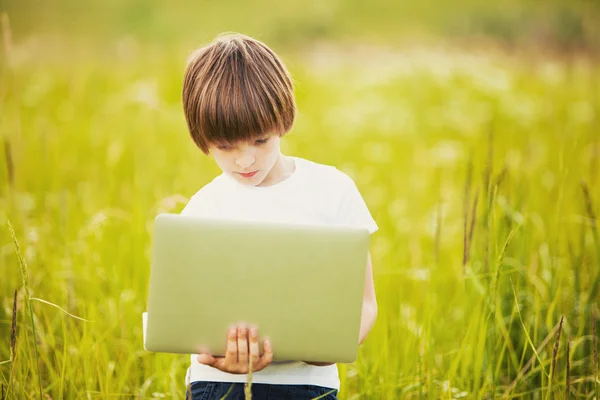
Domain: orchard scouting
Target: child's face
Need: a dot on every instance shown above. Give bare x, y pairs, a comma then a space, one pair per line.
248, 162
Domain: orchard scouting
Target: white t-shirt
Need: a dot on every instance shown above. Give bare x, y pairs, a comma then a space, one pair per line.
314, 193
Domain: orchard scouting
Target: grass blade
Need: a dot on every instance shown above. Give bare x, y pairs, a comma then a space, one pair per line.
324, 395
526, 367
525, 330
473, 222
438, 222
13, 332
466, 214
489, 197
25, 276
568, 372
60, 308
8, 159
248, 385
589, 206
13, 328
554, 355
595, 353
228, 392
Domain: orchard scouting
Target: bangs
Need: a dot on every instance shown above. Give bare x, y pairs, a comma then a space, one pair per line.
239, 91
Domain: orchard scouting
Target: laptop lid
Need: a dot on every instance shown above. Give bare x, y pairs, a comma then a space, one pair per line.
302, 285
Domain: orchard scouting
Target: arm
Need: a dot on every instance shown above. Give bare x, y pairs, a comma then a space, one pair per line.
369, 309
369, 306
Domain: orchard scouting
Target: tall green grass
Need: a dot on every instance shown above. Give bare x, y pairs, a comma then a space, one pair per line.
480, 169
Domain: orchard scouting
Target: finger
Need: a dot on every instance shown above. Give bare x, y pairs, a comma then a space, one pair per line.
242, 345
267, 356
215, 362
231, 352
254, 349
206, 359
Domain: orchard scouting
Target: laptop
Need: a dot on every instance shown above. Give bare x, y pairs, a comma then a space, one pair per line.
302, 285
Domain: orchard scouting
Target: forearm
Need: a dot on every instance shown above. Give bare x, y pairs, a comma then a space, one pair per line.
367, 319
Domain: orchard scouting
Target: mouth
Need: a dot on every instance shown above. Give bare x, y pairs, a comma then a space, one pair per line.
249, 174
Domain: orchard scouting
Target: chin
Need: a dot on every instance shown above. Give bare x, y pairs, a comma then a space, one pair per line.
254, 181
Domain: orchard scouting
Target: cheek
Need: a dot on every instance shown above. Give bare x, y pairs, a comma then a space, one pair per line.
221, 160
273, 151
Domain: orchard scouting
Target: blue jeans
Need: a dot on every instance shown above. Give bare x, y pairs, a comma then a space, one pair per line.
216, 390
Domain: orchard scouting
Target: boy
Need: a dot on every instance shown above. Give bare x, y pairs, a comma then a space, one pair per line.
238, 101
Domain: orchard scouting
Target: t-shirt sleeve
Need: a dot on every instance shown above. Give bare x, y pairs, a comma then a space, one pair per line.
353, 210
201, 204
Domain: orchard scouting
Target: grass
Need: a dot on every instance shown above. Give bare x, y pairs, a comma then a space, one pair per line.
472, 165
25, 276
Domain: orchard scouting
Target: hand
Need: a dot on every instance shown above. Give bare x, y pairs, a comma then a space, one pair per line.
242, 346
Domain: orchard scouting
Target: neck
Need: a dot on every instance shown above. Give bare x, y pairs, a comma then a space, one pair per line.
283, 168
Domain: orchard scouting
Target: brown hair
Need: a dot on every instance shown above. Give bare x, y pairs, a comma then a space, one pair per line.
236, 88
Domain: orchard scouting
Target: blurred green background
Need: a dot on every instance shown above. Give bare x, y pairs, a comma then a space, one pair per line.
471, 129
550, 24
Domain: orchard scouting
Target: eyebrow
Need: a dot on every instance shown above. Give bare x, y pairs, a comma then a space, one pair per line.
225, 143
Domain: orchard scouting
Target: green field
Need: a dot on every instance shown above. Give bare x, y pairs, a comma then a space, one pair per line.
440, 140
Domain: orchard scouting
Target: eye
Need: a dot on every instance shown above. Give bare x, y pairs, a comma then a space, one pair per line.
224, 147
262, 141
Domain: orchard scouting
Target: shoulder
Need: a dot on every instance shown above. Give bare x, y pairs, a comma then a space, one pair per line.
337, 192
205, 199
211, 189
327, 176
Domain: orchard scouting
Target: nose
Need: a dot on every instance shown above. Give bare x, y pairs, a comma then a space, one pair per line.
245, 160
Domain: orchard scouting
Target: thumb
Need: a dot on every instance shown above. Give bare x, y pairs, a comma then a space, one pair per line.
206, 359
